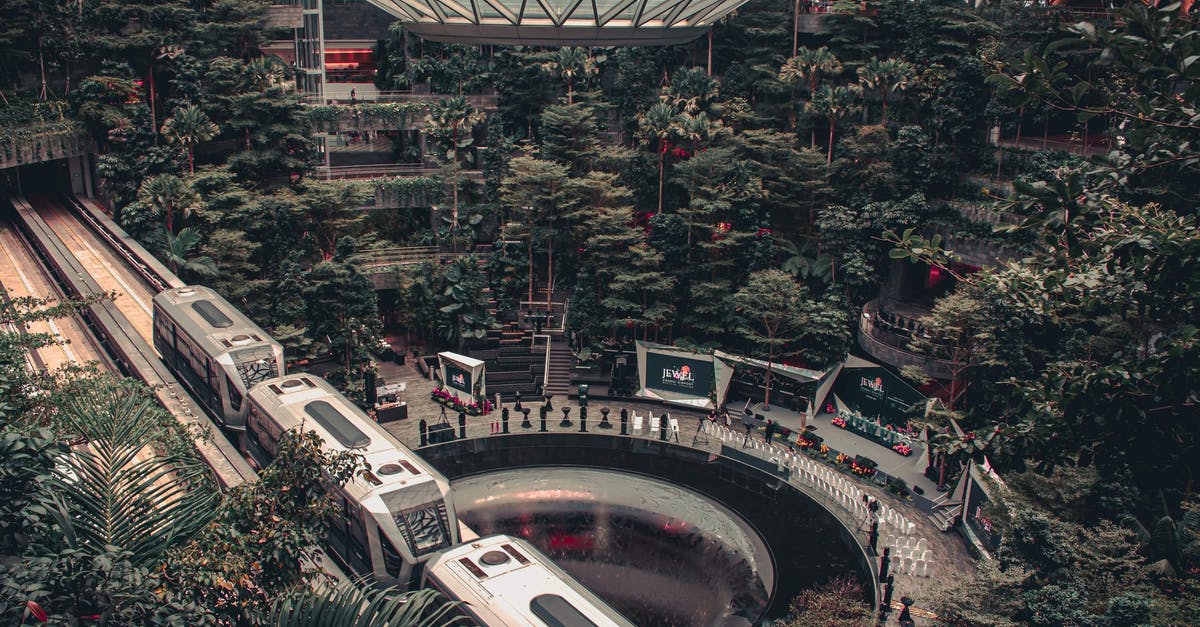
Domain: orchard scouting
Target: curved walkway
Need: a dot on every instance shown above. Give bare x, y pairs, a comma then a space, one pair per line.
901, 525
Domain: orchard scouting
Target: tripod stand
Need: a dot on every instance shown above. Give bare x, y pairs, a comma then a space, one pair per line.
700, 437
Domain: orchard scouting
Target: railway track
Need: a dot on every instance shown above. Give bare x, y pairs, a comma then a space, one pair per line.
87, 254
23, 277
84, 265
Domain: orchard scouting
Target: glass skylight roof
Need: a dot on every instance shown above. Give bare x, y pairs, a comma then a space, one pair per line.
560, 22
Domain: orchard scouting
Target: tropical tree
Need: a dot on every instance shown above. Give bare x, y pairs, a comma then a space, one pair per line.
887, 76
835, 103
806, 68
178, 252
691, 90
658, 124
537, 191
187, 127
362, 604
450, 123
571, 62
169, 195
769, 305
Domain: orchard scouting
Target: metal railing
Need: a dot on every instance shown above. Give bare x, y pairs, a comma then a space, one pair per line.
483, 102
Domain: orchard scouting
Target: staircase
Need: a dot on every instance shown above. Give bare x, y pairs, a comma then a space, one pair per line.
945, 513
562, 362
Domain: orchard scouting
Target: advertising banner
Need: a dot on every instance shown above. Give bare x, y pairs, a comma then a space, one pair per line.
876, 392
680, 375
458, 378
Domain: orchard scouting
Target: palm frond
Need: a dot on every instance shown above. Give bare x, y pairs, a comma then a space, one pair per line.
360, 604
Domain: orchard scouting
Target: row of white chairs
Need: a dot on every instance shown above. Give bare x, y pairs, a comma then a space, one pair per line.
654, 423
915, 568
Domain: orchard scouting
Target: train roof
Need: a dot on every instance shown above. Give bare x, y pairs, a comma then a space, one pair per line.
516, 584
398, 480
217, 325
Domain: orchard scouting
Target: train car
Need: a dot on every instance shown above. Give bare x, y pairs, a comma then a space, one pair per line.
504, 582
395, 516
216, 351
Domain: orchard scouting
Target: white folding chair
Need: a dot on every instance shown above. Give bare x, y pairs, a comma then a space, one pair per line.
919, 567
922, 544
906, 566
653, 425
927, 556
637, 424
927, 570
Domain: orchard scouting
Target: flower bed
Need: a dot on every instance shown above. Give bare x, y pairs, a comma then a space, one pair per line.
838, 421
903, 449
863, 466
452, 402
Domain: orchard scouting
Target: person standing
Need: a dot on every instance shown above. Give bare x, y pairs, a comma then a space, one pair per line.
749, 427
769, 432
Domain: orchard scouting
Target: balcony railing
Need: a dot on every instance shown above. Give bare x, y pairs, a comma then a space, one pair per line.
887, 338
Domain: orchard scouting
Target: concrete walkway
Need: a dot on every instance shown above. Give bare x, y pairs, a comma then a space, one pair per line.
890, 462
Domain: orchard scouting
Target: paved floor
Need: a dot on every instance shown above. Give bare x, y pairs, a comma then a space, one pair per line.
910, 468
952, 562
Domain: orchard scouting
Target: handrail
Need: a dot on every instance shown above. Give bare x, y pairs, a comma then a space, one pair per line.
546, 361
154, 279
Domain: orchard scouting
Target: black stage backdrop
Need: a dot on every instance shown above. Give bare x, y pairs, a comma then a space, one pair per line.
458, 378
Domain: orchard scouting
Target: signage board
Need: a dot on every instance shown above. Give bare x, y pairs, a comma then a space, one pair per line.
680, 375
458, 378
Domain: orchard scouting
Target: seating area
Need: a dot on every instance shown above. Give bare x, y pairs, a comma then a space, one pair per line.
911, 555
652, 425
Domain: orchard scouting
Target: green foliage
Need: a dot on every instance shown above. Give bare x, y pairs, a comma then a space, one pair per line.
361, 604
342, 310
260, 546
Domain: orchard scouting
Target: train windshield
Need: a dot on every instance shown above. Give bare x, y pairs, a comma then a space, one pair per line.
255, 364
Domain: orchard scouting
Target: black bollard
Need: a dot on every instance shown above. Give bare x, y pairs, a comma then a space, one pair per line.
662, 427
886, 605
582, 419
624, 422
566, 421
884, 563
604, 424
462, 425
525, 424
905, 618
543, 412
424, 428
518, 405
504, 419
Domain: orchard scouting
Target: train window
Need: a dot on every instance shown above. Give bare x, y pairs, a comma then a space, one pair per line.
336, 424
556, 611
235, 397
211, 314
392, 561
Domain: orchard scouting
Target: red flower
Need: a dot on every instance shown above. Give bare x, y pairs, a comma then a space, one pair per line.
36, 611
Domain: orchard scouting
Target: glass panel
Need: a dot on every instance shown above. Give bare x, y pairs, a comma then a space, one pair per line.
336, 424
211, 314
556, 611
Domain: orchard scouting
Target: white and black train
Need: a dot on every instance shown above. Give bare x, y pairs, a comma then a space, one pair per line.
504, 581
214, 349
396, 515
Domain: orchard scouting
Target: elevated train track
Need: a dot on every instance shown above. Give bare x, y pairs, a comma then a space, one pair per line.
85, 265
23, 277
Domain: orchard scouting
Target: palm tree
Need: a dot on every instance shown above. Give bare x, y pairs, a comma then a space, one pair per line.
114, 491
570, 62
835, 103
806, 68
450, 122
359, 604
170, 195
189, 126
888, 76
179, 247
264, 72
658, 122
691, 88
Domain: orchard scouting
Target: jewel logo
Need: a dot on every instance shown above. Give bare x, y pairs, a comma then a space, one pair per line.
681, 377
872, 388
